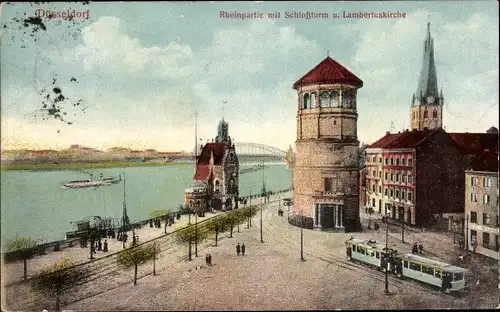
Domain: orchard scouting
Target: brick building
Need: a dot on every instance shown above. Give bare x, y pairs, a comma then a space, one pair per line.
217, 167
413, 175
481, 205
325, 174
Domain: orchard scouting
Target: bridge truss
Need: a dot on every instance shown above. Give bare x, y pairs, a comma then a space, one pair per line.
245, 148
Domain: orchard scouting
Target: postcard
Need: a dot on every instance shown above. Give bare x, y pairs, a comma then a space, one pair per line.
249, 155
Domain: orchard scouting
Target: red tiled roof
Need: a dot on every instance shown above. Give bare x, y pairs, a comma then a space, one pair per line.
487, 161
404, 139
329, 71
476, 143
203, 163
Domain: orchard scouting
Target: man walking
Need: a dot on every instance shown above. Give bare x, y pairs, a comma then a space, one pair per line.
243, 249
238, 249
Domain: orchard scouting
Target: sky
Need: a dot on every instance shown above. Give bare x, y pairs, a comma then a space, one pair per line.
141, 70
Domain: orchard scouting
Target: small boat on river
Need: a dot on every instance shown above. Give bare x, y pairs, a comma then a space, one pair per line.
101, 181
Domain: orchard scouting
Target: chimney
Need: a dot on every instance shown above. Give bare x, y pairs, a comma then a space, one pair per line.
387, 133
425, 128
399, 131
406, 130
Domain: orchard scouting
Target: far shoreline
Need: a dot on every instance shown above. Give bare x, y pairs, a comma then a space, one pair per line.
85, 165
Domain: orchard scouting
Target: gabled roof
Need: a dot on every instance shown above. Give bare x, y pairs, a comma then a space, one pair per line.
476, 143
329, 71
406, 139
210, 152
487, 161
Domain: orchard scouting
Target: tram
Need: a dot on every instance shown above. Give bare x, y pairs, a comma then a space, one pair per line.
448, 277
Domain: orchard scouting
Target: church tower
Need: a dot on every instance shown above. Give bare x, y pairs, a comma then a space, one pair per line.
325, 171
427, 104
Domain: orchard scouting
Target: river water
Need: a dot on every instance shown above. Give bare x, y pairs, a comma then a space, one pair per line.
34, 204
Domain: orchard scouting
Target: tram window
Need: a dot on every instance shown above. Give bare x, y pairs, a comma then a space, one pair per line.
458, 276
427, 270
437, 274
377, 254
415, 267
405, 263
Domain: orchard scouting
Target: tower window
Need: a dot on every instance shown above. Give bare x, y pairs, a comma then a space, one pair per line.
435, 114
425, 114
325, 99
334, 99
307, 101
313, 100
414, 115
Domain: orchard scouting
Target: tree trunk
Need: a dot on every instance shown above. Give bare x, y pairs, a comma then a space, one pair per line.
216, 236
25, 268
58, 301
231, 234
238, 227
189, 254
135, 274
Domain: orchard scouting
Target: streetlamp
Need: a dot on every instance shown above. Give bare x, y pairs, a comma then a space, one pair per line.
196, 234
261, 205
302, 237
387, 257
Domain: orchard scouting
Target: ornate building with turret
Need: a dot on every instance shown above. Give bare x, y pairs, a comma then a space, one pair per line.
325, 173
217, 168
427, 103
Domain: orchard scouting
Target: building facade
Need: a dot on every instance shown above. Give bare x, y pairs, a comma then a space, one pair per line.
427, 104
217, 168
482, 206
326, 169
413, 175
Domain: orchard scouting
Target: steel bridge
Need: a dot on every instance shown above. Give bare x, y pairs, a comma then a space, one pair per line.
256, 149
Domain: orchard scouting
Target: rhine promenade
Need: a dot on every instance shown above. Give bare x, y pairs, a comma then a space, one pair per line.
270, 276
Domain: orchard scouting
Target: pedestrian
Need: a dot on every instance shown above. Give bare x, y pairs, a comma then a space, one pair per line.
105, 246
137, 238
238, 249
414, 250
99, 245
421, 247
209, 259
243, 249
206, 260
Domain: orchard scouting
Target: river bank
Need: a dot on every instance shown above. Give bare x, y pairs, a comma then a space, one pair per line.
83, 165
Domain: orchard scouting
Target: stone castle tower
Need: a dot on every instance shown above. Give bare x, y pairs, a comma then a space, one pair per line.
427, 104
325, 173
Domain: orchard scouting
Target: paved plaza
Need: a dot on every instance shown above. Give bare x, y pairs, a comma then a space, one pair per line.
270, 277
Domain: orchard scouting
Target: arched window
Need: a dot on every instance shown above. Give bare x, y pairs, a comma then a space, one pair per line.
434, 114
346, 99
325, 99
313, 100
307, 101
334, 99
217, 185
425, 114
414, 115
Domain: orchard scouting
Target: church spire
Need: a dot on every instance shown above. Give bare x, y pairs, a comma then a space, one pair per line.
427, 88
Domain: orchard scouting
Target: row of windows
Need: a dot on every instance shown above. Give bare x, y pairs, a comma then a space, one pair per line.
486, 219
332, 99
486, 242
474, 181
486, 199
390, 161
426, 114
394, 193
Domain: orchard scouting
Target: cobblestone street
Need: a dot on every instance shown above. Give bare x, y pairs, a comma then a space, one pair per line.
271, 277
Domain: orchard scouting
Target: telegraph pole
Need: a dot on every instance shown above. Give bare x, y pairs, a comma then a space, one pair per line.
403, 233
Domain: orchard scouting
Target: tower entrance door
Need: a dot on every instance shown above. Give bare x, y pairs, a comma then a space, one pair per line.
327, 216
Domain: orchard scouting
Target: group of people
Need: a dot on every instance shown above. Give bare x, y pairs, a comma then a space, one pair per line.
240, 249
99, 246
417, 248
280, 213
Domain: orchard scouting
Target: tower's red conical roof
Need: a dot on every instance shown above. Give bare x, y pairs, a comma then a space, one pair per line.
329, 71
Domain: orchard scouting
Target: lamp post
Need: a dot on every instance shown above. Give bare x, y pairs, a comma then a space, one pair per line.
302, 237
261, 205
387, 257
196, 234
250, 212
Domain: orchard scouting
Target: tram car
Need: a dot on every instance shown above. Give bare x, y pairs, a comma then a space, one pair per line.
406, 265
